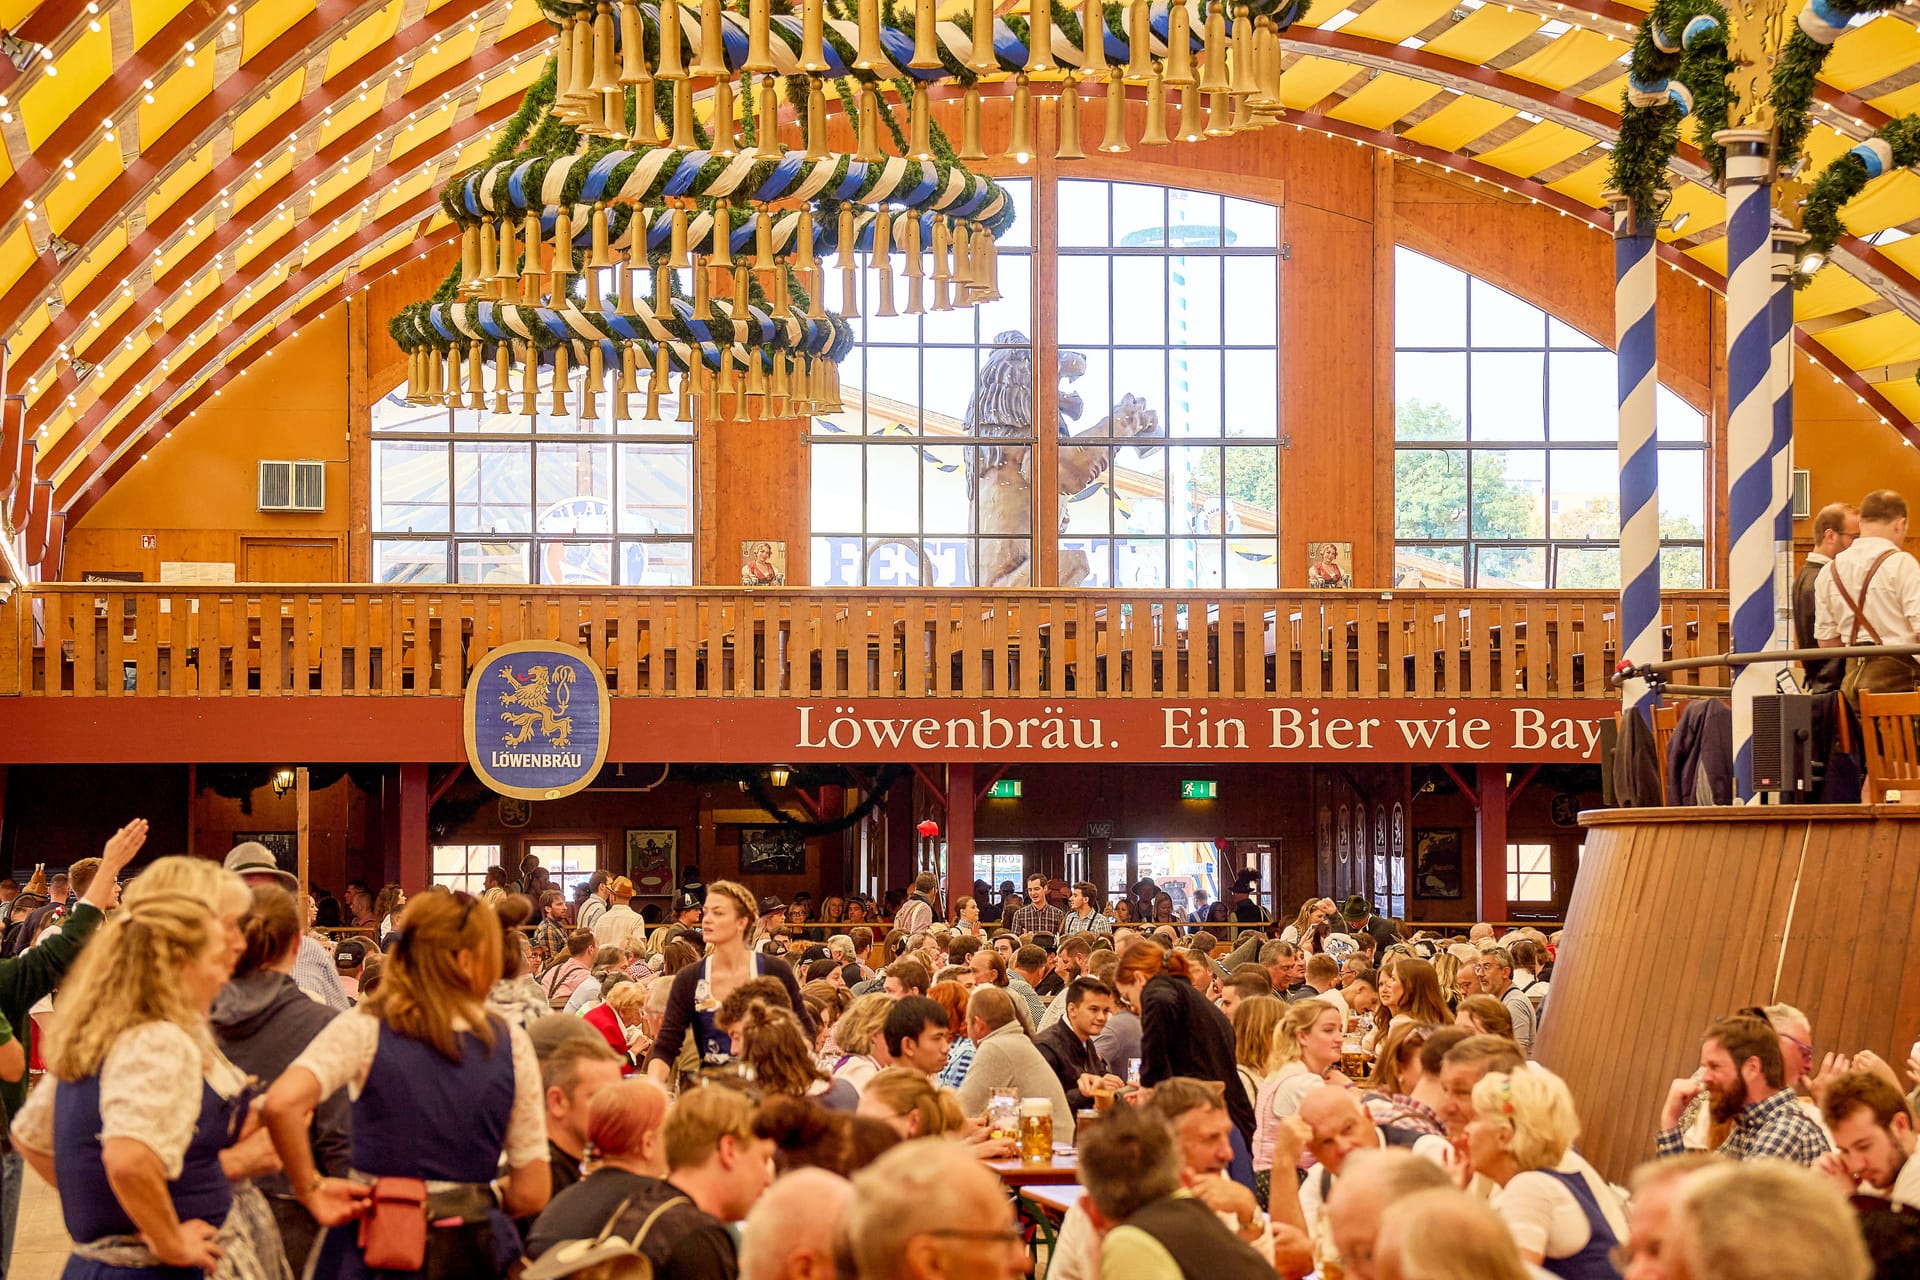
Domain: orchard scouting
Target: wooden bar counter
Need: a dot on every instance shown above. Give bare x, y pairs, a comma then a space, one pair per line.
1681, 915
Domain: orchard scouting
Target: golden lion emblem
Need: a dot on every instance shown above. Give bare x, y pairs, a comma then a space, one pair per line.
544, 695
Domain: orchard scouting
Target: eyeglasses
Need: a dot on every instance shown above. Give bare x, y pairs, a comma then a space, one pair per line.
1011, 1237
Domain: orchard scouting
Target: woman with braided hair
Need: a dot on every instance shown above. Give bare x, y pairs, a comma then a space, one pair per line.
422, 1049
143, 1122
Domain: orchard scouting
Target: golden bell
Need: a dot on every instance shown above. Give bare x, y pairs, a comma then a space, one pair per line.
850, 292
882, 250
1040, 37
720, 238
759, 57
563, 74
580, 47
605, 74
1193, 115
868, 135
884, 306
724, 384
844, 237
562, 252
870, 53
662, 293
502, 371
1219, 115
1020, 147
687, 390
920, 133
1242, 59
671, 35
600, 256
970, 148
983, 58
1213, 66
713, 50
633, 45
476, 387
700, 279
530, 381
559, 407
1155, 132
812, 24
1069, 148
1114, 140
1139, 40
623, 286
469, 259
1093, 39
1243, 113
646, 120
763, 240
596, 378
489, 255
1178, 68
593, 117
724, 143
682, 139
782, 387
926, 47
962, 273
756, 375
803, 258
816, 120
677, 239
508, 266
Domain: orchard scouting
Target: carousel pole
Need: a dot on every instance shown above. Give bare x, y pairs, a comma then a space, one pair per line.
1785, 262
1634, 294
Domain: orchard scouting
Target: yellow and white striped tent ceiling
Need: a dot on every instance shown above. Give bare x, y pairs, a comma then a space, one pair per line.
185, 181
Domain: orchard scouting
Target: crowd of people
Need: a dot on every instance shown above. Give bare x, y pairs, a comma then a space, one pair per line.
507, 1084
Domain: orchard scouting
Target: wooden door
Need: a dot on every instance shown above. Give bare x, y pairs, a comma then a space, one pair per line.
289, 560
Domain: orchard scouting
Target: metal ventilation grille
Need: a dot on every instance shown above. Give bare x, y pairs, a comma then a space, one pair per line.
293, 486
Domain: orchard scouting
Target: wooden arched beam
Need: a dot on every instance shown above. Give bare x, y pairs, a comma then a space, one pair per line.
381, 128
207, 121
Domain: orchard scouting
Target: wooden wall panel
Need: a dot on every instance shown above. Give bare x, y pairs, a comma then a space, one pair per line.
1684, 915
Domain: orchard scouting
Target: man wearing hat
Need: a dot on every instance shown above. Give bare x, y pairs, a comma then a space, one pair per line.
773, 915
1360, 919
1240, 894
686, 910
313, 968
349, 962
618, 922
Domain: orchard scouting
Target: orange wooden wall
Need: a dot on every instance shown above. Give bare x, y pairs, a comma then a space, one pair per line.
1345, 207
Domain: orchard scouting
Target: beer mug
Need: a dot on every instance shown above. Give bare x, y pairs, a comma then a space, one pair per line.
1353, 1059
1036, 1131
1003, 1113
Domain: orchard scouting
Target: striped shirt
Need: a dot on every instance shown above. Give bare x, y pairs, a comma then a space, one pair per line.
1776, 1127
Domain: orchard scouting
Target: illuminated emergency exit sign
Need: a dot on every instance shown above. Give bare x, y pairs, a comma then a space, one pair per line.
1199, 789
1005, 789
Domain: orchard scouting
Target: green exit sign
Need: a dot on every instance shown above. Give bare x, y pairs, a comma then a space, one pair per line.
1005, 789
1199, 789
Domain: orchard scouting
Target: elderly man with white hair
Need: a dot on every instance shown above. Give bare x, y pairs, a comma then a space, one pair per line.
789, 1234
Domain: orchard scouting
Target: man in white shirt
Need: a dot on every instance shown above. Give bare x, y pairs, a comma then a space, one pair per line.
1323, 971
618, 922
1341, 1126
1870, 594
1835, 526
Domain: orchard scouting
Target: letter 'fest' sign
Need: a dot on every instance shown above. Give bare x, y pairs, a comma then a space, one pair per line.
536, 720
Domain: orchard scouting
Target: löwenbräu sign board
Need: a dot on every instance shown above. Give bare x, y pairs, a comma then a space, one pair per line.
535, 720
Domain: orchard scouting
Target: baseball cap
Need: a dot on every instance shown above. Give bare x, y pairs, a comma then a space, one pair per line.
254, 859
350, 953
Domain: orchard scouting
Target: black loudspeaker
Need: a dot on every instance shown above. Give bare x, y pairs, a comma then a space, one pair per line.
1783, 743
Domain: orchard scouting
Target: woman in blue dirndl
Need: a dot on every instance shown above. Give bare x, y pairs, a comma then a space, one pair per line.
441, 1090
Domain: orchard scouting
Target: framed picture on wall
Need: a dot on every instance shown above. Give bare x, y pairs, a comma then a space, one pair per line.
651, 860
772, 851
1436, 862
285, 846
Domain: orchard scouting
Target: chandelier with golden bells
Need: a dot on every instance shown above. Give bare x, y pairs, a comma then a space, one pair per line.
627, 223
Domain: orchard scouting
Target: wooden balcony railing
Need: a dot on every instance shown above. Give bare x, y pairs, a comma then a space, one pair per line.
84, 640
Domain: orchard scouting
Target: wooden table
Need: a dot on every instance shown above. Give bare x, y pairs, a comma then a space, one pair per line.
1064, 1168
1055, 1197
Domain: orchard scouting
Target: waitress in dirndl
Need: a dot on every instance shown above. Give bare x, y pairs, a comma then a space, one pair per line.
698, 991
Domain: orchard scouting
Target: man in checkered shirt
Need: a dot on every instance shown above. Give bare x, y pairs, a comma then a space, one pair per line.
1039, 915
1744, 1077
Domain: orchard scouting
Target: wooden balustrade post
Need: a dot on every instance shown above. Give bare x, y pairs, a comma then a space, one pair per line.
303, 821
1490, 830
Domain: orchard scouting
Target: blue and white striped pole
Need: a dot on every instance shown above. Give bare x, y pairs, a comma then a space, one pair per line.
1785, 264
1750, 522
1635, 288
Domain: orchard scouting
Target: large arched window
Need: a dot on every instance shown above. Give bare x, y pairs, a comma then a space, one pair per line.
1166, 297
465, 495
1506, 467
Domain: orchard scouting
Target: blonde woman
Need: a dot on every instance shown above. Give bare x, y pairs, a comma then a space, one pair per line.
861, 1036
1561, 1212
913, 1105
1306, 1046
770, 1044
726, 921
1254, 1022
1446, 971
138, 1123
441, 1091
